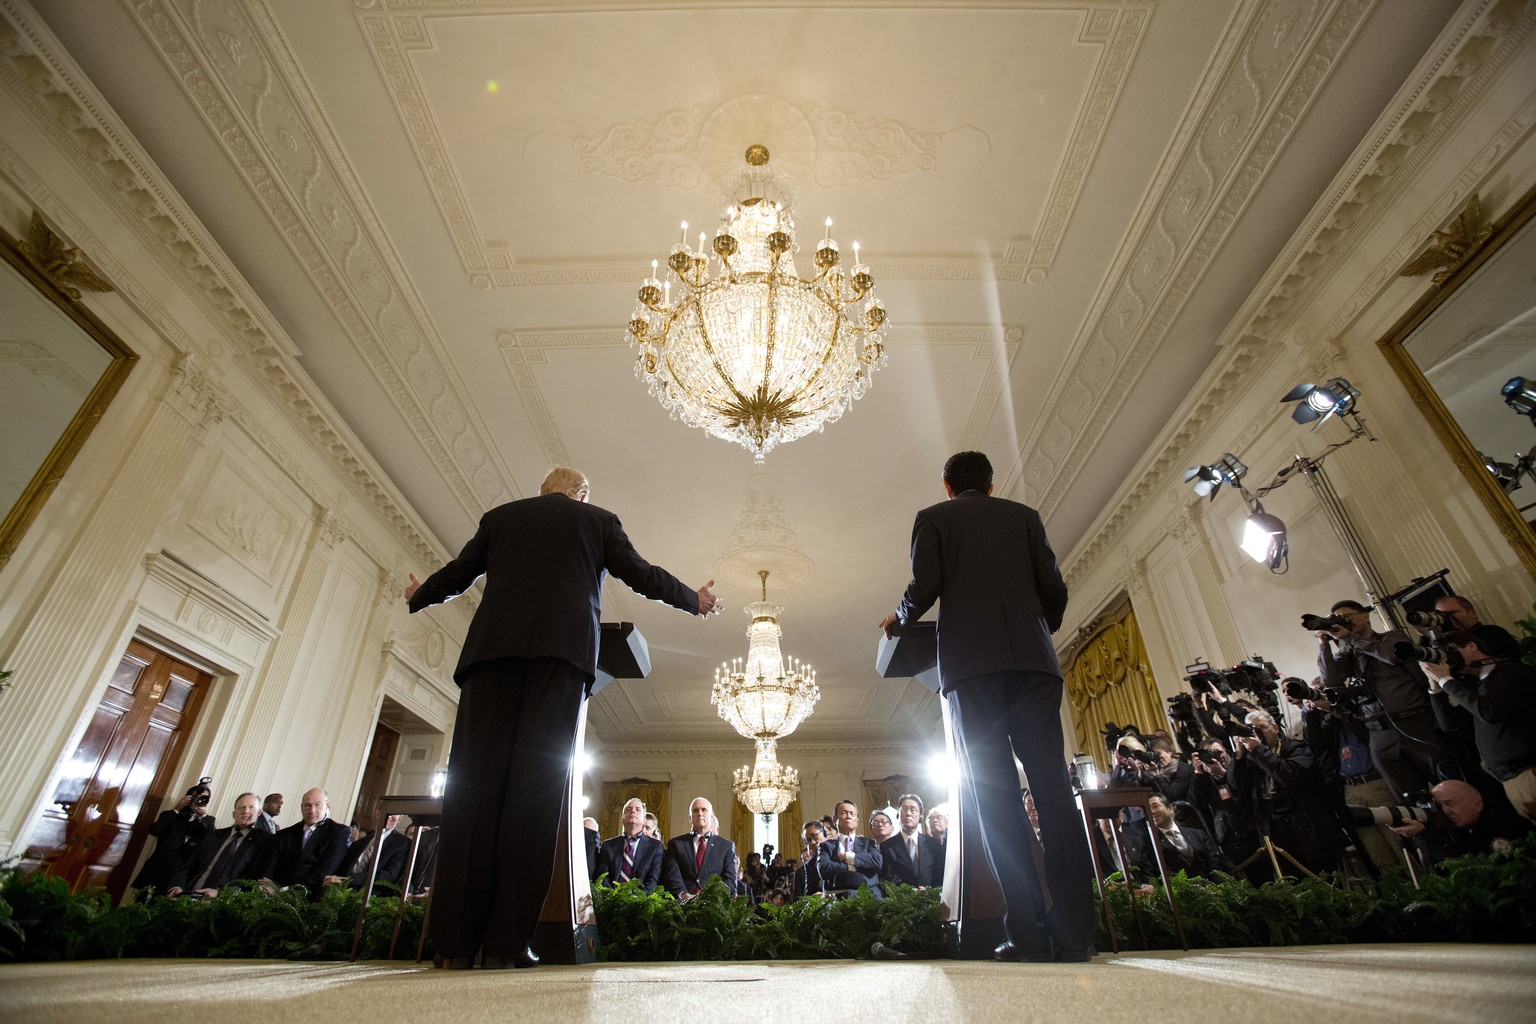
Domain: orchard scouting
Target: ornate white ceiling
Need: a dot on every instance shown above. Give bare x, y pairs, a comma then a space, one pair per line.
447, 208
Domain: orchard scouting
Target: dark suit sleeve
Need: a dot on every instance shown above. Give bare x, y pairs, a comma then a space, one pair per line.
1049, 586
328, 857
671, 874
392, 858
457, 576
927, 571
201, 858
731, 876
650, 870
867, 861
645, 579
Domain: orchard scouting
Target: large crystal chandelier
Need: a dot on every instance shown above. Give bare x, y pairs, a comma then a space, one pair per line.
750, 351
766, 698
767, 787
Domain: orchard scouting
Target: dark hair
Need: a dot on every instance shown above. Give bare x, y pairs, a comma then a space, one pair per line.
850, 803
910, 796
1354, 606
968, 471
818, 826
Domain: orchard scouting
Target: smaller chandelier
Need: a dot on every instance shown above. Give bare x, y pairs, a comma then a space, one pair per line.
767, 787
765, 698
749, 350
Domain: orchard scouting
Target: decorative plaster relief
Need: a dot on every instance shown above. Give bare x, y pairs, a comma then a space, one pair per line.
763, 539
18, 355
72, 117
236, 516
687, 149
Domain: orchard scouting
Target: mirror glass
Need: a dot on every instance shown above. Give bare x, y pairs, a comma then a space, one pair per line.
59, 367
1476, 340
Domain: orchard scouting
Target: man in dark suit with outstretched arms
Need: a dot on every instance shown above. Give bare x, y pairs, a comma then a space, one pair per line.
529, 658
987, 563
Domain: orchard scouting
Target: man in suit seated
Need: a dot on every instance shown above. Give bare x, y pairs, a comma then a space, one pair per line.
236, 851
390, 848
807, 877
909, 857
694, 857
849, 860
1184, 847
632, 853
307, 851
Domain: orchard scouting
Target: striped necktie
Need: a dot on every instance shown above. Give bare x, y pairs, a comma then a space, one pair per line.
627, 870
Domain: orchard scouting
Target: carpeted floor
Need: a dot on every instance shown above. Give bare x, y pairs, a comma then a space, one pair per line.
1317, 985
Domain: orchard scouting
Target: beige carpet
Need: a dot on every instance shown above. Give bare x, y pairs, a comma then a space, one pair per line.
1315, 985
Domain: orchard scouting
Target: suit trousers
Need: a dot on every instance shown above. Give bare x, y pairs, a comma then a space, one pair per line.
995, 717
1406, 753
508, 775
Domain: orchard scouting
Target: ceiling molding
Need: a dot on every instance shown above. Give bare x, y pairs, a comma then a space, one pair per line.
239, 73
79, 125
1383, 169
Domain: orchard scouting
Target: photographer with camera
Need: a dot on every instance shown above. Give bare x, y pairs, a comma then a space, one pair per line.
177, 833
1279, 778
1497, 692
1465, 823
1360, 668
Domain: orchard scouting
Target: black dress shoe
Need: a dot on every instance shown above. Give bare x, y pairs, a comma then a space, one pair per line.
1075, 956
1010, 951
453, 963
527, 958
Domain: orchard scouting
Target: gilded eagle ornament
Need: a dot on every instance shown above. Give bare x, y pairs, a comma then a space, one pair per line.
1448, 249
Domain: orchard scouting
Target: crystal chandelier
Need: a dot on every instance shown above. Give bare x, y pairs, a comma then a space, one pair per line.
767, 787
765, 699
750, 351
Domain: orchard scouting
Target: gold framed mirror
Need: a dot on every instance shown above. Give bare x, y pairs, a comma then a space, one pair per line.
60, 366
1455, 349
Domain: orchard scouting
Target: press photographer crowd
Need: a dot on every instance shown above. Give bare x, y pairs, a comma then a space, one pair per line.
1408, 747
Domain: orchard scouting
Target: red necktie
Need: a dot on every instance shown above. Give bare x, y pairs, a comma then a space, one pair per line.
699, 859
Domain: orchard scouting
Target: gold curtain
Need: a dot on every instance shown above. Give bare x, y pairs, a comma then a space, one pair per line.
1109, 680
790, 830
657, 797
742, 824
883, 793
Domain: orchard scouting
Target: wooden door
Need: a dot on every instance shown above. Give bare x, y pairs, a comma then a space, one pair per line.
115, 781
376, 772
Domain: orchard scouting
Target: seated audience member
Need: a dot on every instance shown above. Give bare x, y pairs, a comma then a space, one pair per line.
307, 851
1183, 847
271, 807
1466, 824
177, 832
358, 839
652, 826
224, 855
849, 860
881, 827
420, 883
391, 850
938, 831
695, 857
807, 876
594, 841
1278, 778
1500, 694
909, 857
631, 853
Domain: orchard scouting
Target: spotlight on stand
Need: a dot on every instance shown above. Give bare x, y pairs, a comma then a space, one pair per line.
1208, 479
1264, 540
1320, 401
1506, 473
1520, 395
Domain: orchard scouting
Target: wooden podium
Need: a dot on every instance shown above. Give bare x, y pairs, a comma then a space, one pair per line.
972, 899
567, 928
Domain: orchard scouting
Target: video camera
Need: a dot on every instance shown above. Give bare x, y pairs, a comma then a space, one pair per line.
200, 794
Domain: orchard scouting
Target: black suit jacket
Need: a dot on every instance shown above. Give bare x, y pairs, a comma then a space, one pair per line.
897, 863
246, 862
391, 857
1201, 858
968, 554
544, 560
648, 858
293, 863
679, 870
867, 862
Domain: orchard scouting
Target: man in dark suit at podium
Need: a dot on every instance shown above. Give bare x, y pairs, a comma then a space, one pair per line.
694, 857
529, 658
631, 853
987, 563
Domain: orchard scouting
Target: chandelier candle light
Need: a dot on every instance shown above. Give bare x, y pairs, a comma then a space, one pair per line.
765, 698
767, 787
750, 351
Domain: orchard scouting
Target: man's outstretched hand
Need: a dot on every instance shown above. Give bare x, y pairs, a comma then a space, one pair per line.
411, 587
709, 604
886, 623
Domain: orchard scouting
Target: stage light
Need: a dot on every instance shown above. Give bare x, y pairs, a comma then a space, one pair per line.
1208, 479
1320, 401
1264, 540
1506, 473
1520, 395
